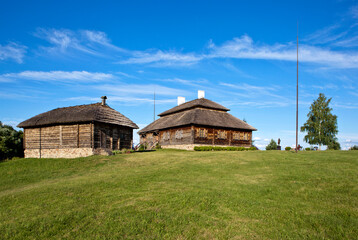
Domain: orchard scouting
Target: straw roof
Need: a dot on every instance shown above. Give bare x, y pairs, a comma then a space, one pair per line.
198, 115
201, 102
83, 113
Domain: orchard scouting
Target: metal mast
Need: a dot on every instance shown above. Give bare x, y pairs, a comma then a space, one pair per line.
297, 96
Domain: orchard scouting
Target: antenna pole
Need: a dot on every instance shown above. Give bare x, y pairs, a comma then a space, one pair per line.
154, 107
297, 96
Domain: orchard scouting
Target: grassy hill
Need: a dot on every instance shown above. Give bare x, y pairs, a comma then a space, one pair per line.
182, 195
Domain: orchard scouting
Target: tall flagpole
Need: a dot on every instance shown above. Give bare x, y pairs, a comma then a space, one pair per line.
297, 96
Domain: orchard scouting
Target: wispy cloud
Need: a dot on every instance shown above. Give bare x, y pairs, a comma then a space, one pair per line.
13, 51
245, 48
64, 41
160, 57
126, 99
139, 89
254, 91
326, 35
60, 76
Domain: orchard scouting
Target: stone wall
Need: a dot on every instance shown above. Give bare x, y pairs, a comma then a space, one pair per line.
59, 153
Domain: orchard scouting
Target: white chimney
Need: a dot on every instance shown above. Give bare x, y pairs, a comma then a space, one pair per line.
201, 94
181, 100
103, 100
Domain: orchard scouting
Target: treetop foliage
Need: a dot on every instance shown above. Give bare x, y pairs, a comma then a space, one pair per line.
321, 125
272, 145
10, 142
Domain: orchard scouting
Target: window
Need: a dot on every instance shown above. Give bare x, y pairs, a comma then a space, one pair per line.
236, 136
202, 133
166, 136
245, 136
221, 134
179, 134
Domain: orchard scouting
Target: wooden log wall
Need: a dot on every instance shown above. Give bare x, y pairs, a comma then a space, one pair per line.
176, 136
212, 137
112, 137
60, 136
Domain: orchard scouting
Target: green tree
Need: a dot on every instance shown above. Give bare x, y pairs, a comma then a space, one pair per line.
272, 145
10, 142
321, 125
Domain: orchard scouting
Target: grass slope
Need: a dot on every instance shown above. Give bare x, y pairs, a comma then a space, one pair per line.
182, 195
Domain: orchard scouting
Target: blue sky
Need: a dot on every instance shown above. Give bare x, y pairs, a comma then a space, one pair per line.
242, 53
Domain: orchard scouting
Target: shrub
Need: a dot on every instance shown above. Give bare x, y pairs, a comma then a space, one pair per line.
334, 146
355, 147
308, 149
288, 148
253, 148
157, 146
10, 142
272, 145
115, 152
142, 147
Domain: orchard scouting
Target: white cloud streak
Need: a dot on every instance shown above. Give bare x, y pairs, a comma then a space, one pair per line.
140, 89
13, 51
98, 44
60, 76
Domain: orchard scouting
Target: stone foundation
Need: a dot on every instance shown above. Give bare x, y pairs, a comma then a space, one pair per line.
191, 146
62, 153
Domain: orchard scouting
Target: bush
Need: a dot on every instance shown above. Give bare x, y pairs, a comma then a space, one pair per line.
157, 146
10, 142
272, 145
211, 148
288, 148
142, 147
355, 147
334, 146
115, 152
308, 149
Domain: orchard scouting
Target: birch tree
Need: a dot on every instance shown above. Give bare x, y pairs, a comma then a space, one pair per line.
321, 125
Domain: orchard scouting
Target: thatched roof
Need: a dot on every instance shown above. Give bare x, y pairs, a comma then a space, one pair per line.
83, 113
201, 102
198, 116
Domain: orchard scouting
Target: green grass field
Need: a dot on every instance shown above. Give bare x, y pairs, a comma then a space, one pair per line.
172, 194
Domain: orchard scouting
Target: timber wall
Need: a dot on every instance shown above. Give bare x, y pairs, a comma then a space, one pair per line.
76, 140
112, 137
188, 137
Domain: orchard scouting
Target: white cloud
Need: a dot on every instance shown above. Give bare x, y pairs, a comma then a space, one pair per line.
128, 100
140, 89
12, 51
60, 76
245, 48
162, 58
64, 41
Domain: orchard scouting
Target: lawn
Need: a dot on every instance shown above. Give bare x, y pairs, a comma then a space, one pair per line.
172, 194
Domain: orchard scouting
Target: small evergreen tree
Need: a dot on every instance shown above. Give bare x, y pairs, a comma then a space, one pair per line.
321, 125
272, 145
10, 142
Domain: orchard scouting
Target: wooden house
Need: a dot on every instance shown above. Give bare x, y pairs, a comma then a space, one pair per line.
196, 123
77, 131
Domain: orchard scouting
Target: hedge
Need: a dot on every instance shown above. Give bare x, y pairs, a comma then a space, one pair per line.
211, 148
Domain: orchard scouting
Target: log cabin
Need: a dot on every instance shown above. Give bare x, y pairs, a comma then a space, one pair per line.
77, 131
199, 122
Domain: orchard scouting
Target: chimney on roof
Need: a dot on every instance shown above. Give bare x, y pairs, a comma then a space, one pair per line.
181, 100
201, 94
103, 100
